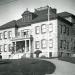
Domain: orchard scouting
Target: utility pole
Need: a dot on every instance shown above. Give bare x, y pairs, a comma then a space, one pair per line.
49, 12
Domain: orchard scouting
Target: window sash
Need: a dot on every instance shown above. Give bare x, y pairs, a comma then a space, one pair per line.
67, 30
23, 33
50, 27
37, 44
64, 29
5, 35
63, 44
67, 45
37, 29
0, 36
51, 43
10, 34
5, 47
0, 48
43, 43
43, 28
10, 46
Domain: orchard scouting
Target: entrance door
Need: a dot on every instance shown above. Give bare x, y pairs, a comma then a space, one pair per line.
50, 54
27, 42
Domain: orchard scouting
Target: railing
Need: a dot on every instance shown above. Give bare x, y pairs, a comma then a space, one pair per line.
24, 36
21, 37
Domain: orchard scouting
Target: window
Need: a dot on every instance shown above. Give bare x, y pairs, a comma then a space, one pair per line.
61, 29
5, 48
43, 43
50, 27
67, 30
51, 43
9, 34
37, 29
50, 54
67, 45
43, 28
23, 33
37, 44
5, 35
10, 47
64, 29
0, 48
64, 44
18, 33
61, 43
0, 36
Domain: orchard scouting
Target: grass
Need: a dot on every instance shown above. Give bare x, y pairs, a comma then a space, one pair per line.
68, 59
26, 67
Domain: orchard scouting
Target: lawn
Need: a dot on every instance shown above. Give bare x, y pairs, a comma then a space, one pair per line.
26, 67
68, 59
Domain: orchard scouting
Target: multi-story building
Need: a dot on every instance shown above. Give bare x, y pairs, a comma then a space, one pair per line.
44, 29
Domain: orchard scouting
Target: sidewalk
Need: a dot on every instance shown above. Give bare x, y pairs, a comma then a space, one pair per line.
62, 67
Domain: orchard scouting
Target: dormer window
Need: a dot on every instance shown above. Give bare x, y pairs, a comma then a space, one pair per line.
27, 16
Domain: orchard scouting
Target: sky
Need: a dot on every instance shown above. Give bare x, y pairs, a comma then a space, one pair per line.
13, 9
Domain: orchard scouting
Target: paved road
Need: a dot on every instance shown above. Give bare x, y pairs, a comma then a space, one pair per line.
62, 67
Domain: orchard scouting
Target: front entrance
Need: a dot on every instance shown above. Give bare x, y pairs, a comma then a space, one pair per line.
20, 46
50, 54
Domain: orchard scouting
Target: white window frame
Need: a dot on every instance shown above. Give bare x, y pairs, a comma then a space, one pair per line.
5, 47
10, 34
1, 48
43, 43
5, 34
0, 36
37, 29
37, 44
10, 47
50, 43
43, 28
50, 27
22, 33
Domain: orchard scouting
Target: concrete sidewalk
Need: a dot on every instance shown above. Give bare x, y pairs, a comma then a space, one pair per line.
62, 67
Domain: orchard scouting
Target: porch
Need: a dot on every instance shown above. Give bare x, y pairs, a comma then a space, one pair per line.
22, 45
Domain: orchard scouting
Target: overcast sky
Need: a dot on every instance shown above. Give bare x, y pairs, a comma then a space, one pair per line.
12, 9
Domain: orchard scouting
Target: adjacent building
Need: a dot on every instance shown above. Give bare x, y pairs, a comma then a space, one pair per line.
44, 29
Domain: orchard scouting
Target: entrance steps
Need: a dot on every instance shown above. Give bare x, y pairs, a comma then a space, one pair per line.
16, 56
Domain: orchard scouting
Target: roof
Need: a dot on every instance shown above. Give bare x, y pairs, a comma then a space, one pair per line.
26, 12
66, 14
10, 24
20, 23
40, 17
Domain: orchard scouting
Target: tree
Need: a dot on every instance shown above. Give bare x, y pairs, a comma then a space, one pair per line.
37, 53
